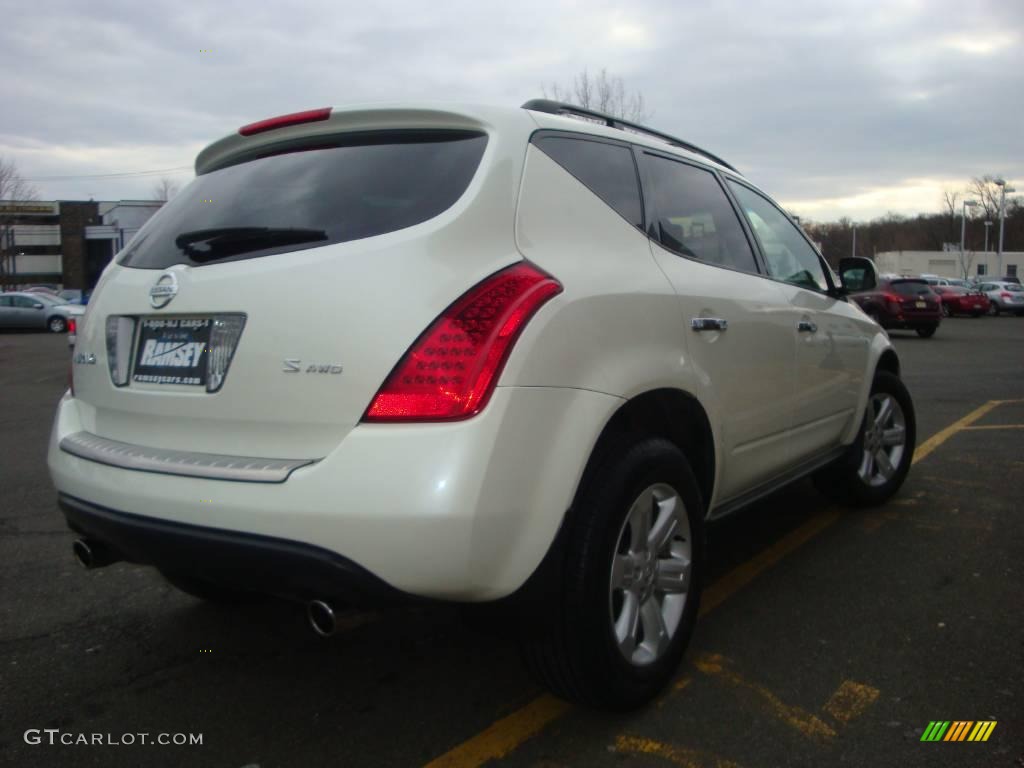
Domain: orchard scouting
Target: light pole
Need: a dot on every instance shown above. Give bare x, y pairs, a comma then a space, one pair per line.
963, 232
988, 225
1003, 189
853, 250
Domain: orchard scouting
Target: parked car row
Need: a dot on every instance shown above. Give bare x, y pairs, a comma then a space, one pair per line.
37, 309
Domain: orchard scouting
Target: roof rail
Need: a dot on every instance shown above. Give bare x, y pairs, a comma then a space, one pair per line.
562, 108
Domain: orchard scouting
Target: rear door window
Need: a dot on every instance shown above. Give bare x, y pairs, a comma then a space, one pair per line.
359, 187
692, 215
608, 170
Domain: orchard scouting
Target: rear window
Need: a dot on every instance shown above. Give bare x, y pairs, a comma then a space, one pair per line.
370, 185
607, 169
910, 287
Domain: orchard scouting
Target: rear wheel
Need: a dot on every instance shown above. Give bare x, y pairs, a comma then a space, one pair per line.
877, 463
994, 309
927, 332
57, 324
945, 310
614, 634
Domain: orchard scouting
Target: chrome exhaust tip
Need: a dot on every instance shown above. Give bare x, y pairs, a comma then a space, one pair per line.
321, 618
92, 554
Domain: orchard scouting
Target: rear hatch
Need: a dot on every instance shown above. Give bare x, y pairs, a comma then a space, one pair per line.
260, 310
916, 298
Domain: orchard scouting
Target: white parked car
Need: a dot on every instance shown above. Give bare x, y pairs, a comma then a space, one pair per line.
37, 309
533, 355
1005, 296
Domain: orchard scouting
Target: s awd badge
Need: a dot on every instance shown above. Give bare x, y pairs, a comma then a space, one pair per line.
294, 365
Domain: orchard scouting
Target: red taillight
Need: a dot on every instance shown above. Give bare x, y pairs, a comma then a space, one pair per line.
295, 118
451, 370
72, 325
1005, 295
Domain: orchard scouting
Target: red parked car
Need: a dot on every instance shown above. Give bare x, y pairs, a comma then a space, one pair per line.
961, 301
901, 303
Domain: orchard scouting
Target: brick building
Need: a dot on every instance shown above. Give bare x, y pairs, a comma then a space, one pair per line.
65, 243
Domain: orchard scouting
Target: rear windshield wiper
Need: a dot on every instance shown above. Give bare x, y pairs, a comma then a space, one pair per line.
223, 242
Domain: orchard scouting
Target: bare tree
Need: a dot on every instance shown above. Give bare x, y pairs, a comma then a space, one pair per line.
164, 189
603, 92
950, 200
13, 187
986, 192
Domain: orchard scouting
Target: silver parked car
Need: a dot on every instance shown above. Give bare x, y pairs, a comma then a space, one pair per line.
1005, 296
36, 310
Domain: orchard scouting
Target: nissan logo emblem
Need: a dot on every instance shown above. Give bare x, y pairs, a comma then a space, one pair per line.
165, 289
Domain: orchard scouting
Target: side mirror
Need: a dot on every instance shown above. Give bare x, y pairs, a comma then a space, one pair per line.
858, 274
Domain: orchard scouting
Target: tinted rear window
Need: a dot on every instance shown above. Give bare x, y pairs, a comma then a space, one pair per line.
371, 185
607, 169
910, 287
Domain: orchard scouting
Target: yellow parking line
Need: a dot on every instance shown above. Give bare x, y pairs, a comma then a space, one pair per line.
686, 758
850, 700
996, 426
942, 436
728, 585
809, 725
505, 735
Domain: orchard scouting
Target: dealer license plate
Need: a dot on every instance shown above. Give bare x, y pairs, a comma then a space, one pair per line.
920, 304
172, 350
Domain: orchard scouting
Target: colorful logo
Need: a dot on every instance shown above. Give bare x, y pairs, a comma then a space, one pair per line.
958, 730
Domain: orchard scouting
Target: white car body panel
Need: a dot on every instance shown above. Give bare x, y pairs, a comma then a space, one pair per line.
464, 510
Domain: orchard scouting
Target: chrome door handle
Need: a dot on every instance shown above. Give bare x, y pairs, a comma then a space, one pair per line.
708, 324
806, 326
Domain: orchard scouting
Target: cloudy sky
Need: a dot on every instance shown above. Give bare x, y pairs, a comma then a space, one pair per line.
836, 108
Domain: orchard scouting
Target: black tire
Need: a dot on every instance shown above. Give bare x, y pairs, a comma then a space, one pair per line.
569, 645
209, 591
946, 312
842, 480
57, 324
927, 332
994, 309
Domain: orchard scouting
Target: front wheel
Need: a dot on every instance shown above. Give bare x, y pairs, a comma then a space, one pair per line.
615, 631
945, 310
877, 463
927, 332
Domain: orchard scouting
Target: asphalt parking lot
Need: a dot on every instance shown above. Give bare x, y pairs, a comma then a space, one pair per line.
829, 636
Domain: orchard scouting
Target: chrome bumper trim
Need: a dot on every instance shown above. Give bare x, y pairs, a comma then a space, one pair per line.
185, 463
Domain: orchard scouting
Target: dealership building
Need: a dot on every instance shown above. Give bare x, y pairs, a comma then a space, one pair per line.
66, 242
948, 263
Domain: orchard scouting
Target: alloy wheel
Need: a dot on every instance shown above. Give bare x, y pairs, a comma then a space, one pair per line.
885, 439
650, 574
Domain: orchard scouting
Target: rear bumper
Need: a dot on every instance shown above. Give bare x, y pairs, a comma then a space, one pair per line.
458, 511
288, 569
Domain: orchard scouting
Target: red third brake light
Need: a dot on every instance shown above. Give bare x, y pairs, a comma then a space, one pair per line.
282, 121
451, 370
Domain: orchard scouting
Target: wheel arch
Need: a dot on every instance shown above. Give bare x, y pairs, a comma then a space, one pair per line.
672, 414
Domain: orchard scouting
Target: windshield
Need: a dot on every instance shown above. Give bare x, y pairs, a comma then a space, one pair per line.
373, 184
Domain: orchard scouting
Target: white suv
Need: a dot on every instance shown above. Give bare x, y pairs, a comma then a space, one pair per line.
469, 354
